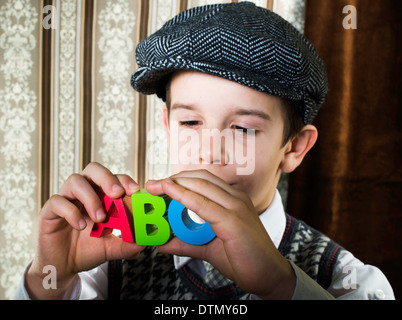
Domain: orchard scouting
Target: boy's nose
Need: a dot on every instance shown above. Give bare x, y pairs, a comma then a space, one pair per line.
213, 148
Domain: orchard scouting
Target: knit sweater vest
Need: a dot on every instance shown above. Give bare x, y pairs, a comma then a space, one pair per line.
153, 276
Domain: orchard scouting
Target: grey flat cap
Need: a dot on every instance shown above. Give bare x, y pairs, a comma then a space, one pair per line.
239, 42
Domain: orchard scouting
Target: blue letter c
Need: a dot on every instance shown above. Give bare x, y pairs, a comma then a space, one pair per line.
186, 229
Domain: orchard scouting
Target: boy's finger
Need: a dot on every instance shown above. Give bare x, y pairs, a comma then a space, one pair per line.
182, 249
205, 174
104, 178
116, 248
202, 174
155, 187
58, 206
212, 192
129, 185
204, 207
201, 186
78, 188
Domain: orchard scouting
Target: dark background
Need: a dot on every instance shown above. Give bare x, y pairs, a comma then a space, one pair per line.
350, 184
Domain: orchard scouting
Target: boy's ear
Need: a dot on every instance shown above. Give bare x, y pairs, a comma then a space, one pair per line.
166, 122
298, 147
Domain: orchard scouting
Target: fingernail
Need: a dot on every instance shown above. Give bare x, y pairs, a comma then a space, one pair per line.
133, 186
169, 181
82, 224
117, 188
100, 215
152, 181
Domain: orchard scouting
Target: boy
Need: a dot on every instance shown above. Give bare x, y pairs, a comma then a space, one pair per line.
220, 67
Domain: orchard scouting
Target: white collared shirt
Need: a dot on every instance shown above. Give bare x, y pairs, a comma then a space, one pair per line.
351, 278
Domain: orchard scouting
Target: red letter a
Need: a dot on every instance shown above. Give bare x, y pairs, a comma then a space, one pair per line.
117, 218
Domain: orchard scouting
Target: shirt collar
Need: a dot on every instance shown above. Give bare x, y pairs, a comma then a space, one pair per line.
273, 219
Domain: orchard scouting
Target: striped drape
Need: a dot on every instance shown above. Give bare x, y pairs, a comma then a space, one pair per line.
66, 100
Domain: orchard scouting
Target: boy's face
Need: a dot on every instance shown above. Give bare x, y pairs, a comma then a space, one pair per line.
199, 102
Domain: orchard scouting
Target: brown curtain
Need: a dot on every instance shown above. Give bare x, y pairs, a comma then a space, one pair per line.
350, 184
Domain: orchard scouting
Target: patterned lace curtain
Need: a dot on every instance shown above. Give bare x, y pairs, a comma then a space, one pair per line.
66, 100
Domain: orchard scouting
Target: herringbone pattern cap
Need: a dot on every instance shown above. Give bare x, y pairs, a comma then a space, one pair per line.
239, 42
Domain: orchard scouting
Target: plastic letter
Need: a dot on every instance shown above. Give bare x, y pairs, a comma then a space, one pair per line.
186, 229
151, 228
117, 219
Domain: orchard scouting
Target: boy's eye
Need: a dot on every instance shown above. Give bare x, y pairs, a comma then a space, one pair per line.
244, 130
189, 123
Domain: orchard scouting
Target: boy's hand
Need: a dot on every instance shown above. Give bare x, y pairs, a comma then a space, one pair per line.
65, 223
242, 249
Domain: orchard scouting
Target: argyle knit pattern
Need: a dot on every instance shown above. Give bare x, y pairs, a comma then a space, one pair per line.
153, 276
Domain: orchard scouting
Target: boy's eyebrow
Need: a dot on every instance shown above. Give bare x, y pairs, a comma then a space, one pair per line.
252, 112
182, 106
239, 111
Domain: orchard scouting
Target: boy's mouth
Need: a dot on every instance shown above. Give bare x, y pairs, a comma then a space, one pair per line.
234, 184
